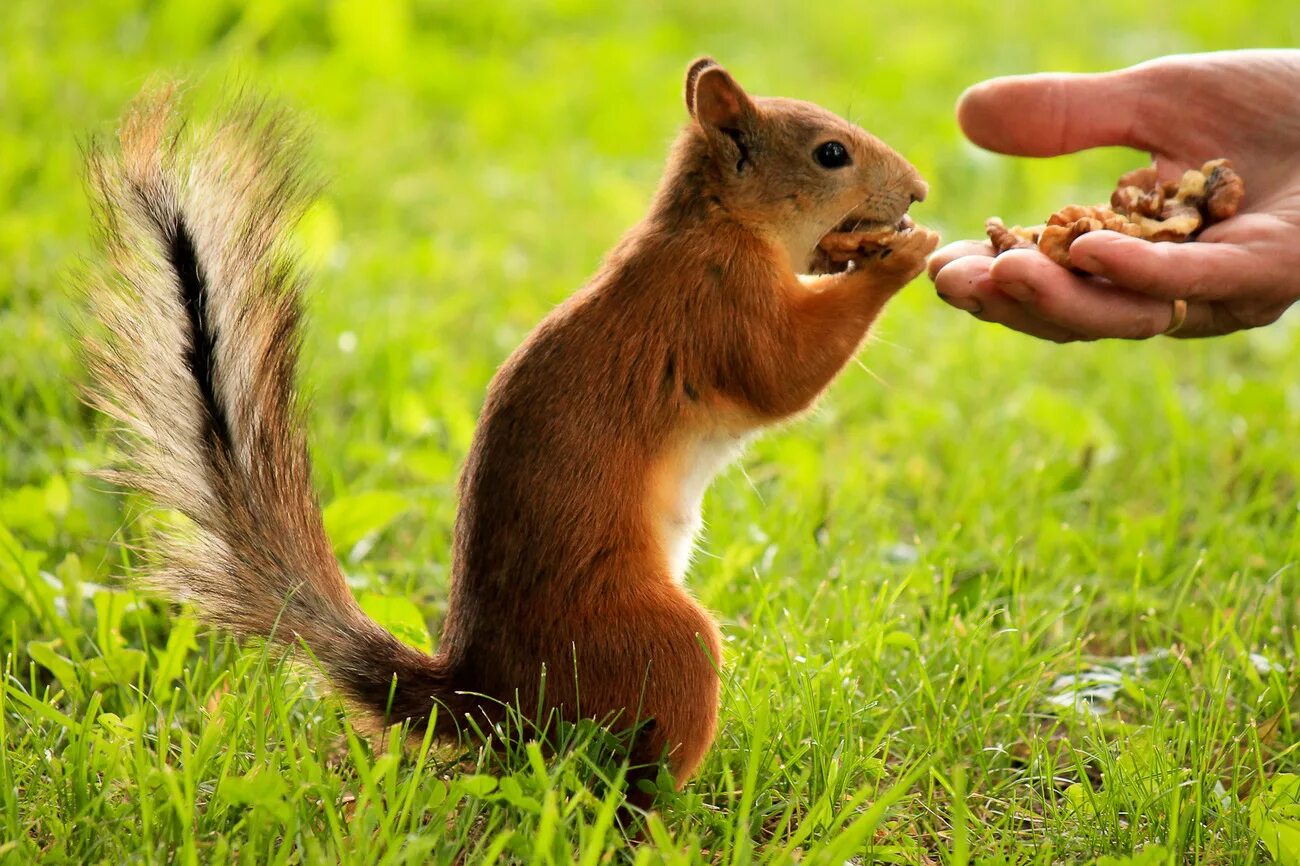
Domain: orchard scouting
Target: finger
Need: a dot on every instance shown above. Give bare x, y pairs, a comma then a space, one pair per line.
1204, 320
1054, 113
1215, 318
961, 282
965, 284
956, 250
1194, 271
1083, 305
1002, 309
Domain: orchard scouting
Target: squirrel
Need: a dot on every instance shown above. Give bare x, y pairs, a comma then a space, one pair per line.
580, 496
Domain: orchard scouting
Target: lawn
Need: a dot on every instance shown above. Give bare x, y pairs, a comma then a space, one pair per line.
995, 601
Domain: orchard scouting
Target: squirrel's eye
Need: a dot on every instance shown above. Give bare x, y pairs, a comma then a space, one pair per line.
832, 154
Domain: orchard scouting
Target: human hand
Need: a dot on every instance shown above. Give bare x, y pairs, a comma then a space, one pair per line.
1241, 273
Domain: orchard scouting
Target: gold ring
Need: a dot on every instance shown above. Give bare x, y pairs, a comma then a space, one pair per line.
1177, 318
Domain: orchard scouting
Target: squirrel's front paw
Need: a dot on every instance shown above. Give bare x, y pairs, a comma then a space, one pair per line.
895, 254
903, 255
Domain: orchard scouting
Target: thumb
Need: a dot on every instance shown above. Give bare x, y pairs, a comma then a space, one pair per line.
1050, 114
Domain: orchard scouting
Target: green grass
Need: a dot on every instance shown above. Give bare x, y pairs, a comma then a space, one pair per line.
909, 580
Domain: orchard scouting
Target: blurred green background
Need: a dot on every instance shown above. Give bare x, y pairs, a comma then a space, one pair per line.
481, 158
973, 486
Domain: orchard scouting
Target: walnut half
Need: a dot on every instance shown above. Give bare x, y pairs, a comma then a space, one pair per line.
1014, 238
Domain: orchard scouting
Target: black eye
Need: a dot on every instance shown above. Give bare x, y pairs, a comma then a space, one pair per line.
832, 154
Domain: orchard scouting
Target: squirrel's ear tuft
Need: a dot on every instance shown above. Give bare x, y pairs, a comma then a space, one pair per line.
716, 99
692, 74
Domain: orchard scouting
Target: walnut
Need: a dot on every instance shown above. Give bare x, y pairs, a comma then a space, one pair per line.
1175, 224
1143, 178
841, 247
1056, 239
1122, 224
1224, 190
1014, 238
1133, 199
1191, 188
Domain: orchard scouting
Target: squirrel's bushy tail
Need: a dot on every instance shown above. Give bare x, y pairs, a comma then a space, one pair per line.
193, 355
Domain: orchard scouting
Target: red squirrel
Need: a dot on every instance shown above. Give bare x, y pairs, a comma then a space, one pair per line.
580, 496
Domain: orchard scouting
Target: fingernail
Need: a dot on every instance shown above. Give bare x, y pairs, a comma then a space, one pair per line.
970, 305
1019, 291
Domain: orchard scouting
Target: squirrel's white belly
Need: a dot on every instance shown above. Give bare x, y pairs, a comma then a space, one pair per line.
681, 486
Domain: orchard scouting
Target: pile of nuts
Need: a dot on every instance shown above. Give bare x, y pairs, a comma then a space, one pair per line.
1140, 207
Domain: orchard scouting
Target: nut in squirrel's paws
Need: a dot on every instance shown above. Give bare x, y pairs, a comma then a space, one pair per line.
1140, 207
898, 249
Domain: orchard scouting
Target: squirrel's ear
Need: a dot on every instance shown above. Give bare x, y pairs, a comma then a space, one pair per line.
714, 98
692, 75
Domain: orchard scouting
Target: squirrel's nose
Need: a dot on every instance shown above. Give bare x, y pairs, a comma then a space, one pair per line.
919, 190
